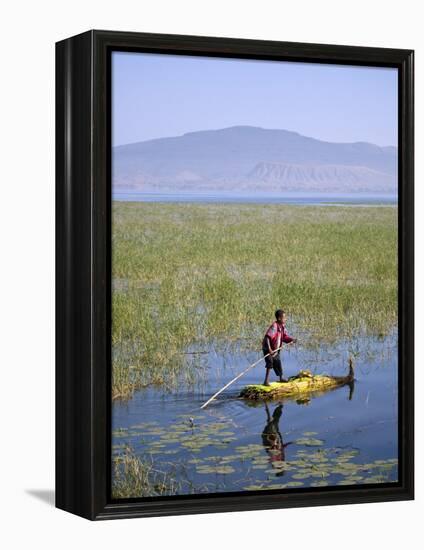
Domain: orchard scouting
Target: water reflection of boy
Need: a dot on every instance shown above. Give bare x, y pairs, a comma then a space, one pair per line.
274, 337
272, 438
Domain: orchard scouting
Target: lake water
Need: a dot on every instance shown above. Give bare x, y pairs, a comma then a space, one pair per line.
288, 198
348, 436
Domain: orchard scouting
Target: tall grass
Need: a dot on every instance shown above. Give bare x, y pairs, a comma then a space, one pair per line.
134, 476
192, 274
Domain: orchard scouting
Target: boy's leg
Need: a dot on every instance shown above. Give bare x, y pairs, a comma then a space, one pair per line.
278, 368
268, 367
266, 381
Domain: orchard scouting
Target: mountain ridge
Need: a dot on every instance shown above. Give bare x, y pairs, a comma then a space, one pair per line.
229, 159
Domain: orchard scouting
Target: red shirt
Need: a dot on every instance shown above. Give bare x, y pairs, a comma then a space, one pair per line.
277, 334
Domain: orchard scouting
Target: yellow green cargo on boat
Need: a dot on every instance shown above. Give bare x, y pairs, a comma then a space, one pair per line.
303, 383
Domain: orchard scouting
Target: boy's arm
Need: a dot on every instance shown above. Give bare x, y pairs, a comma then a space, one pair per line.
268, 341
286, 338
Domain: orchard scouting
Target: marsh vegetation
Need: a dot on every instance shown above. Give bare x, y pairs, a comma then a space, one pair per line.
194, 287
191, 277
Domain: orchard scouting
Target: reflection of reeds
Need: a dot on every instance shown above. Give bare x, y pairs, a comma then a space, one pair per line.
190, 274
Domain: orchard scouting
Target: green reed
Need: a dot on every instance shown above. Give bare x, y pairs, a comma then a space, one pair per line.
135, 476
192, 275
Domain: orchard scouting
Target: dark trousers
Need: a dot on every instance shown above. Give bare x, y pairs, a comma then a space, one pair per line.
273, 363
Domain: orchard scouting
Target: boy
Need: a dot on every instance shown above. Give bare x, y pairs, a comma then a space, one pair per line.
273, 339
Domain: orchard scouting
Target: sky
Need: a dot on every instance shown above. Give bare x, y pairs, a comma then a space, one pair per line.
160, 95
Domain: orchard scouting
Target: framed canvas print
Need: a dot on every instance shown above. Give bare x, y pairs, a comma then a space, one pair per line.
234, 274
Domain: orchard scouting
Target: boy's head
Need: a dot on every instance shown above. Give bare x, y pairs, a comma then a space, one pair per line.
280, 316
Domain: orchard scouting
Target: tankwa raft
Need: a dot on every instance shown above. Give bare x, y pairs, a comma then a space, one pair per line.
303, 383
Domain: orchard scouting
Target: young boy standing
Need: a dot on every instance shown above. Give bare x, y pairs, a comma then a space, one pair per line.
274, 337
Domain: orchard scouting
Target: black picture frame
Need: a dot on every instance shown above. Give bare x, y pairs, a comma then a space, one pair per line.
83, 282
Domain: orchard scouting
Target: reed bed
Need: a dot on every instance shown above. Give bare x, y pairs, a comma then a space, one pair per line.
191, 276
135, 476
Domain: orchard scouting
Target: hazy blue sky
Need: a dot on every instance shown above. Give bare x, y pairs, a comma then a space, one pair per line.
157, 95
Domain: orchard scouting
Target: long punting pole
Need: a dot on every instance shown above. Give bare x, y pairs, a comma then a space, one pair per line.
239, 376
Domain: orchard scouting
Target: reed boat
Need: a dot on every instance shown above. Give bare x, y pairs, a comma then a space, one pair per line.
303, 383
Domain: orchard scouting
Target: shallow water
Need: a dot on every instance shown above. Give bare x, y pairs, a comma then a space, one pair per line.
305, 199
337, 438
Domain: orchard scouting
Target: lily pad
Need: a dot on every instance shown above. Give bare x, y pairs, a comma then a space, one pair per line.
221, 469
303, 475
320, 484
310, 442
280, 464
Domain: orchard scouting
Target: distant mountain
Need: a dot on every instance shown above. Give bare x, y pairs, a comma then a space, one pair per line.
325, 178
253, 159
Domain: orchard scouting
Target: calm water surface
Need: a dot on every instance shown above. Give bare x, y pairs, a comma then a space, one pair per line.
273, 198
347, 436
